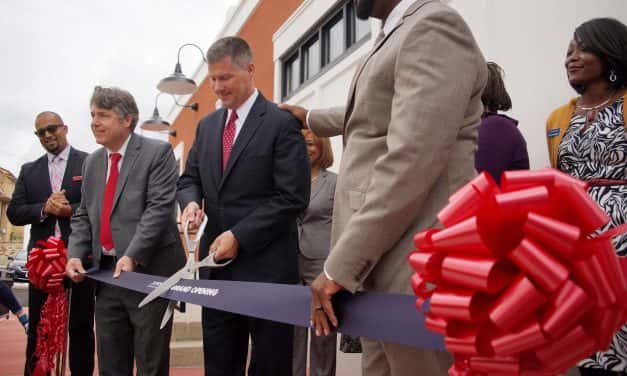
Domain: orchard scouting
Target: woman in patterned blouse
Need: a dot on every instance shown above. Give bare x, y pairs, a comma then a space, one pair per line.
587, 140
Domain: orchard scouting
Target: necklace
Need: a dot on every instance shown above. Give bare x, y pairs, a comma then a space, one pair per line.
590, 113
595, 107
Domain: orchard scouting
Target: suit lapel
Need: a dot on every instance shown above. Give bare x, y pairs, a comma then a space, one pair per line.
215, 146
42, 168
252, 123
69, 169
351, 96
375, 48
100, 180
132, 152
317, 186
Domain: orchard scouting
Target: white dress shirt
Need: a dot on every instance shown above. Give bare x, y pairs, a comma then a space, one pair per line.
242, 112
61, 158
122, 152
395, 16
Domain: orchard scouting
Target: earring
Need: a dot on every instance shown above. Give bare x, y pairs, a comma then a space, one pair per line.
613, 76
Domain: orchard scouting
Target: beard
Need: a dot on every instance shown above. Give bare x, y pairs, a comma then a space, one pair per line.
363, 8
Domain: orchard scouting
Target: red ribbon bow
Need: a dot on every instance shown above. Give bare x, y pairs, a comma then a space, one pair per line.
46, 267
517, 283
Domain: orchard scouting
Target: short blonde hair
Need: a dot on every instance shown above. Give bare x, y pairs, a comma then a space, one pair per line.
323, 143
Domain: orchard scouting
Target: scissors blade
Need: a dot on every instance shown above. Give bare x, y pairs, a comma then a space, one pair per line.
163, 287
193, 243
169, 311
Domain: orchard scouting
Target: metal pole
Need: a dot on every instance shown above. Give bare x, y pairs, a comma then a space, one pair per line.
67, 331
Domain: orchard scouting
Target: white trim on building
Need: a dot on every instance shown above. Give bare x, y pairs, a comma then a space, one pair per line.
527, 38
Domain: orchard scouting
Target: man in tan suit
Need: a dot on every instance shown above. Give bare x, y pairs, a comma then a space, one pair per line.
409, 130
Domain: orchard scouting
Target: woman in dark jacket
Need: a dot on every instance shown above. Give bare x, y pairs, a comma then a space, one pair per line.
501, 146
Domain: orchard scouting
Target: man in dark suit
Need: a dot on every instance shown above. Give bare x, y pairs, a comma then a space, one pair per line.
47, 193
126, 223
249, 165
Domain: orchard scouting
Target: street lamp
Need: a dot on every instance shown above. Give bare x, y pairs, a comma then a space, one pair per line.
177, 82
157, 123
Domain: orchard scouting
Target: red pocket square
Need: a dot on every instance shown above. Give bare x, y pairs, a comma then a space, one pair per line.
77, 178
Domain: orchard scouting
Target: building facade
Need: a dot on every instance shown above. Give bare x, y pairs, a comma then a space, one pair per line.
527, 38
307, 51
11, 237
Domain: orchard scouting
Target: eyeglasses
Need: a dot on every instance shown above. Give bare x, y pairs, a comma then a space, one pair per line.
52, 128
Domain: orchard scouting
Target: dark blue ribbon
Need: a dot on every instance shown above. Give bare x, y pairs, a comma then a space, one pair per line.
385, 317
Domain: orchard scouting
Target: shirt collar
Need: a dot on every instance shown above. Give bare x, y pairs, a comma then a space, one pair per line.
244, 108
64, 154
396, 15
122, 150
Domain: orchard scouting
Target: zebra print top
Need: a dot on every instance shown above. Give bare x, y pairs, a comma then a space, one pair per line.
599, 151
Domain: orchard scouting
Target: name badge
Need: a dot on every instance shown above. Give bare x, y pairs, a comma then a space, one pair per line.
553, 132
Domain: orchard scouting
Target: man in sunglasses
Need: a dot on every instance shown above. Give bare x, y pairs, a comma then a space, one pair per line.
47, 192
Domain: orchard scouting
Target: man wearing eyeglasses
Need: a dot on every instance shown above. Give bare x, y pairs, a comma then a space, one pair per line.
47, 192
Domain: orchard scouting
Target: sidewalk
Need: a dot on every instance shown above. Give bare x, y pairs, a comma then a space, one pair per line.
13, 347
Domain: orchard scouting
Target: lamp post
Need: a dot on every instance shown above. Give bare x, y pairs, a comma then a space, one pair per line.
177, 82
157, 124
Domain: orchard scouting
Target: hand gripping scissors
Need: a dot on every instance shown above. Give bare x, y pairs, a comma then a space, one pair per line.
187, 272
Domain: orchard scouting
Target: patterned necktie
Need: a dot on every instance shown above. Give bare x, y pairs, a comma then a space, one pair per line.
56, 180
106, 240
227, 139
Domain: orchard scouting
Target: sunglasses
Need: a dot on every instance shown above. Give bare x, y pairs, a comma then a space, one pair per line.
52, 128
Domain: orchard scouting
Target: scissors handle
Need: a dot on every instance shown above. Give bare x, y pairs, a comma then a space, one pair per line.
210, 262
193, 243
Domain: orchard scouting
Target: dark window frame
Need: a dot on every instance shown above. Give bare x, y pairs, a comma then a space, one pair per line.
339, 17
304, 62
345, 12
286, 65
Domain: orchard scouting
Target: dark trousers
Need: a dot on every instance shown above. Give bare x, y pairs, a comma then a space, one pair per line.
225, 345
81, 328
8, 299
127, 333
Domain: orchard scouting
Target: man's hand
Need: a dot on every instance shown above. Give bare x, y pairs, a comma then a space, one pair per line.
58, 205
193, 214
74, 270
225, 246
124, 264
299, 113
322, 290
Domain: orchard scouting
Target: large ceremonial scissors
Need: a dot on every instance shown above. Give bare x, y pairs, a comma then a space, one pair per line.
187, 272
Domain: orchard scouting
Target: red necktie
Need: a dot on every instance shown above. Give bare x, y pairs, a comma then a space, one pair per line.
227, 139
106, 239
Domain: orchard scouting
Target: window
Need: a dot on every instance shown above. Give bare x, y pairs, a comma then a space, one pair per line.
334, 40
311, 58
358, 29
291, 74
323, 46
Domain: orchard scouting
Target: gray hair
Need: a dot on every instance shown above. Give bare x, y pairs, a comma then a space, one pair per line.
118, 100
234, 47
